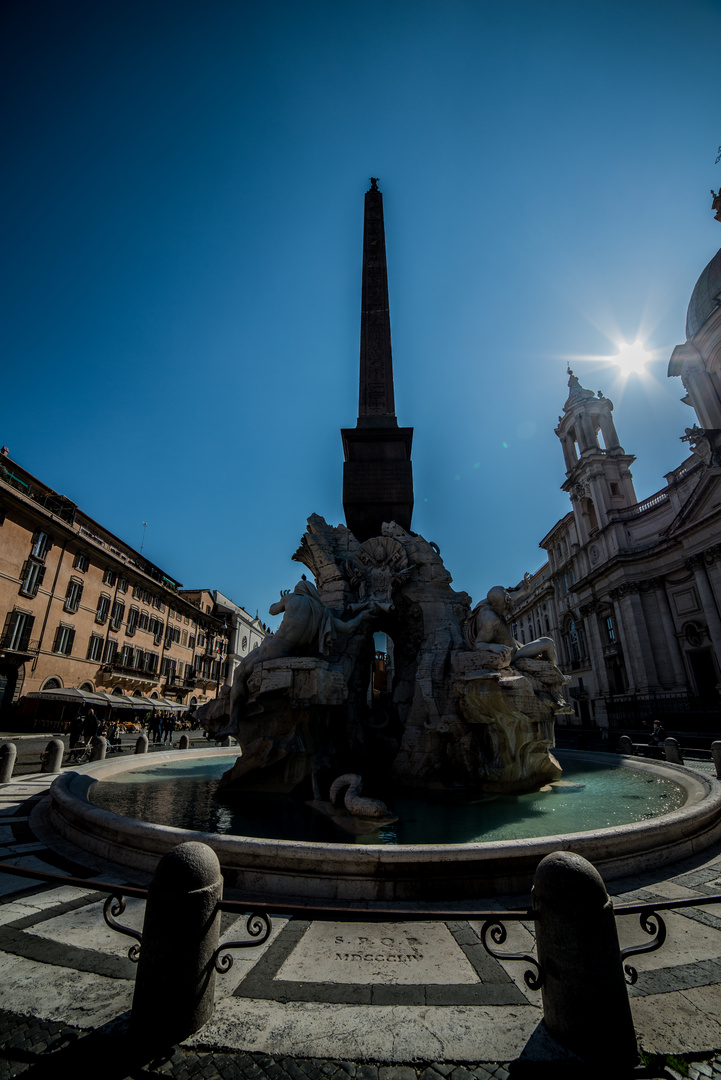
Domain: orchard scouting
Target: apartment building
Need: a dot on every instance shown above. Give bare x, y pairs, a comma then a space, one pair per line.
84, 611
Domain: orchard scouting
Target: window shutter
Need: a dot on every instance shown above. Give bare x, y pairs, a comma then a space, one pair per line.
27, 630
40, 578
56, 642
9, 620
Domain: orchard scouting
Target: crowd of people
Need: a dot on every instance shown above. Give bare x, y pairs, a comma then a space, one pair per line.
160, 728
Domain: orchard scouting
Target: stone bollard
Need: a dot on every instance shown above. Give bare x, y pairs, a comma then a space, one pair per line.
184, 742
52, 758
585, 1000
175, 983
716, 755
225, 741
8, 753
141, 744
672, 751
98, 747
625, 746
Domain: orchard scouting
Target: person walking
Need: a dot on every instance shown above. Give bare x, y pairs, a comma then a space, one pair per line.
90, 727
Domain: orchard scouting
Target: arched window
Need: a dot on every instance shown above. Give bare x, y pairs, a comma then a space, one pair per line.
53, 684
574, 641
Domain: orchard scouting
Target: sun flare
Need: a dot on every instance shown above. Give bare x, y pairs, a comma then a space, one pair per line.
632, 359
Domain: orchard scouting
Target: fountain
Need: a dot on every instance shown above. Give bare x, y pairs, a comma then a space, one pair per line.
458, 708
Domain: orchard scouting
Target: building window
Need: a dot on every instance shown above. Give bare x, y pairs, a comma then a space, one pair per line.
122, 585
184, 638
191, 641
201, 639
116, 616
143, 621
574, 643
64, 637
133, 615
137, 592
244, 644
126, 656
18, 627
82, 562
109, 577
41, 545
32, 575
151, 661
73, 595
610, 630
95, 648
110, 650
101, 614
156, 601
167, 668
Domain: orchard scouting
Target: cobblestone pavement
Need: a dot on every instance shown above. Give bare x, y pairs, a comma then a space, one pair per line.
32, 1047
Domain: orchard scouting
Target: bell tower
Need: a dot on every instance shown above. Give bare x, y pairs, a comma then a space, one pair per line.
377, 474
597, 467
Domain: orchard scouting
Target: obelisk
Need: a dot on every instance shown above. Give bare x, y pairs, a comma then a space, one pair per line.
377, 474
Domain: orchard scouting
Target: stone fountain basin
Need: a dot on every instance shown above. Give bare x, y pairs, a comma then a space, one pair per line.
277, 870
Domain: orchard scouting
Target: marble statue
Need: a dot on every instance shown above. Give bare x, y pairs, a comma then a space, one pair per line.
489, 625
462, 704
308, 629
350, 786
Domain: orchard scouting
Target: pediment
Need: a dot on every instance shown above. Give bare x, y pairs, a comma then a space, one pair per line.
703, 502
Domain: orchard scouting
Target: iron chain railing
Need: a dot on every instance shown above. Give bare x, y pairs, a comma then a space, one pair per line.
258, 923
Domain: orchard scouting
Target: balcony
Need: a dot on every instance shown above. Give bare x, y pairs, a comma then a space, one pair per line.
117, 672
22, 650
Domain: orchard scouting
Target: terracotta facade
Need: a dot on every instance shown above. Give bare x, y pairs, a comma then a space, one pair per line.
82, 609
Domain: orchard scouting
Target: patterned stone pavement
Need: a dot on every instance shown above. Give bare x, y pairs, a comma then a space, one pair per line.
301, 1007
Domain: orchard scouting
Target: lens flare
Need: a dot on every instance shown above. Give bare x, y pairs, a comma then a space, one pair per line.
632, 358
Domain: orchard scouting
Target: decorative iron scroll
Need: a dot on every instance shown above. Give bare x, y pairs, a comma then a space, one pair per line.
113, 906
497, 931
651, 923
258, 927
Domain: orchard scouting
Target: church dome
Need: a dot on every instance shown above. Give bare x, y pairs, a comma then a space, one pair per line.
705, 298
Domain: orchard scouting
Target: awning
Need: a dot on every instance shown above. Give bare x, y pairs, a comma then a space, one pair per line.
137, 701
163, 703
67, 694
114, 700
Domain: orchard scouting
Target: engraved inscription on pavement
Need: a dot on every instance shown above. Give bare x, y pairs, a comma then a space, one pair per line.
390, 954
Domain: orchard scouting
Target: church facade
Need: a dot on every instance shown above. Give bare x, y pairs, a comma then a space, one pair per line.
631, 591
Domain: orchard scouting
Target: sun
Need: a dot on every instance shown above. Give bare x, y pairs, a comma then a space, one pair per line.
632, 359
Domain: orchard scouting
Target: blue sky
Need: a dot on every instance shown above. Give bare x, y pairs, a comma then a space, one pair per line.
182, 219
